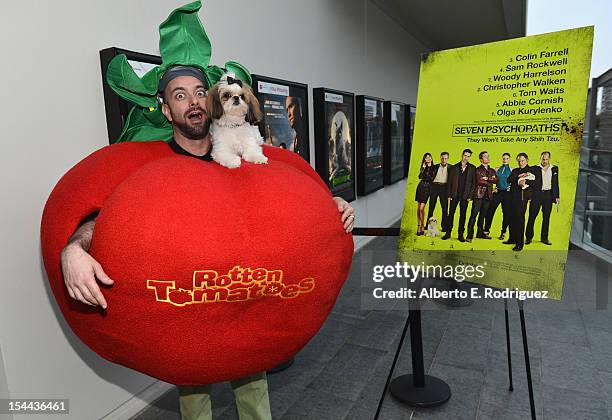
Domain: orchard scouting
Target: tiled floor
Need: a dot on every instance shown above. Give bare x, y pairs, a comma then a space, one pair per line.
342, 372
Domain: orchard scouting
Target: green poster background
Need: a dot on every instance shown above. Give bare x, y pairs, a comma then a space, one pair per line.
463, 102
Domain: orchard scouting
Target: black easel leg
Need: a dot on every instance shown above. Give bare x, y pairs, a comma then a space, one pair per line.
527, 364
508, 345
395, 358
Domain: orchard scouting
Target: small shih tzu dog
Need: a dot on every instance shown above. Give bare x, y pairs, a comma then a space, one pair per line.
432, 228
234, 109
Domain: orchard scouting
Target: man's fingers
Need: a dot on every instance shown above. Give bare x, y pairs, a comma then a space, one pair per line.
101, 275
78, 296
348, 214
350, 228
87, 295
348, 223
70, 292
345, 215
97, 295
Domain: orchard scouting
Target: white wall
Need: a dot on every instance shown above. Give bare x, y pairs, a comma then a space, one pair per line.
53, 115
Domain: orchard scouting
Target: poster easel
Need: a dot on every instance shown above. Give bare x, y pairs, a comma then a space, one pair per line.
421, 390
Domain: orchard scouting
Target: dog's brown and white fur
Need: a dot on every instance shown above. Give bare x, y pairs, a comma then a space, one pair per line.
233, 110
432, 227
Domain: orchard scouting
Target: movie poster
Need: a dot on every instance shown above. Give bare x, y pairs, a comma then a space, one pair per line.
334, 126
495, 158
370, 143
339, 121
398, 139
285, 114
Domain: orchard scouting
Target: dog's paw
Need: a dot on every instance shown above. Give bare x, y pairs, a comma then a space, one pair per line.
256, 158
230, 162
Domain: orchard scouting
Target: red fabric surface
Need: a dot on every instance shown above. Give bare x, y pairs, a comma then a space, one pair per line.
165, 218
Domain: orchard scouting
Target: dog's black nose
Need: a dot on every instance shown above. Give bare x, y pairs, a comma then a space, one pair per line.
236, 100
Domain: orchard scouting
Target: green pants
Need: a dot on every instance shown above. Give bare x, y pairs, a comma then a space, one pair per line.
251, 395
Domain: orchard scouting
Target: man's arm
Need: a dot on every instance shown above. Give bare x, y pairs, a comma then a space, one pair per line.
536, 179
482, 179
81, 270
492, 176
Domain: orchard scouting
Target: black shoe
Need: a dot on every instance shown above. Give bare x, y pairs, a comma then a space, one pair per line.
501, 236
446, 236
468, 239
461, 238
517, 248
509, 242
546, 242
527, 241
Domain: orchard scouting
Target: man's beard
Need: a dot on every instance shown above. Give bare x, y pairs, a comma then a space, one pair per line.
194, 132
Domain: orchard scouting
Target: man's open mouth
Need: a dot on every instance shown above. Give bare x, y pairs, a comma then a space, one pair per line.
195, 117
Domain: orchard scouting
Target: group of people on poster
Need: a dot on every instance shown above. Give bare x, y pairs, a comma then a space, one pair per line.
514, 190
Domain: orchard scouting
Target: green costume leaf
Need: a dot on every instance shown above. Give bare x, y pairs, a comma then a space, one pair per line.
126, 83
146, 125
182, 41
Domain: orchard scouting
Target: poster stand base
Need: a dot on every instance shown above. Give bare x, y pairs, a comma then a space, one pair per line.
418, 389
435, 391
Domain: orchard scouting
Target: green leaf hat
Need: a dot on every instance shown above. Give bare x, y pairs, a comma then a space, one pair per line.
182, 41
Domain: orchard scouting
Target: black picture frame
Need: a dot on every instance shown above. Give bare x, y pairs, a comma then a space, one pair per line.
117, 108
411, 115
370, 144
337, 169
276, 127
396, 133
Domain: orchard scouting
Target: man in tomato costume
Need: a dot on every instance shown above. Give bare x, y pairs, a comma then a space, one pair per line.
181, 85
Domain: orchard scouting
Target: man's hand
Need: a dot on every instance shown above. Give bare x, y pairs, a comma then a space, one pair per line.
348, 213
80, 272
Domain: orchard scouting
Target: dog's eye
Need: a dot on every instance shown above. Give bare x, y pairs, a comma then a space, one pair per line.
242, 97
226, 95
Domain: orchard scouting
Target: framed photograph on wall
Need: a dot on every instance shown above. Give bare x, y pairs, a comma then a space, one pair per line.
396, 133
117, 108
411, 114
369, 145
284, 106
334, 124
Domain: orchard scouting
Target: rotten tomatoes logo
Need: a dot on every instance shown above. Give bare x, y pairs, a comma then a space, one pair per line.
238, 285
